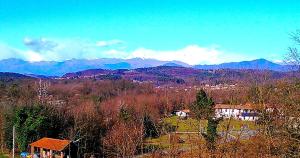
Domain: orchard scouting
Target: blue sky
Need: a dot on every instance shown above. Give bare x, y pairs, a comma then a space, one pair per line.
196, 32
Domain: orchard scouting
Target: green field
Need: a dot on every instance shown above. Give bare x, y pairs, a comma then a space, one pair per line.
3, 156
187, 125
192, 125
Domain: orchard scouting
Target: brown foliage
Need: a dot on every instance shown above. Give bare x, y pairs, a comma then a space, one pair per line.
123, 140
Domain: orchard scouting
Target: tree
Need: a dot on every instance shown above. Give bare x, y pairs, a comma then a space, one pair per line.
203, 108
123, 140
89, 130
32, 122
293, 56
278, 126
7, 127
211, 133
150, 129
125, 114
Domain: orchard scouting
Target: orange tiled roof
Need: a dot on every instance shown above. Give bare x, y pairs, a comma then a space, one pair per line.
227, 106
185, 110
51, 144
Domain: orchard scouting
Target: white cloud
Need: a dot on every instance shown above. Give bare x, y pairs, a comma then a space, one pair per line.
63, 49
33, 56
108, 43
41, 44
192, 54
60, 49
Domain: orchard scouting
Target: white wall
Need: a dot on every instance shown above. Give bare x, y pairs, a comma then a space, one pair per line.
181, 114
234, 113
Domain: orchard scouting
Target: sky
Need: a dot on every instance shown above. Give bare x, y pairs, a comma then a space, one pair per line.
192, 31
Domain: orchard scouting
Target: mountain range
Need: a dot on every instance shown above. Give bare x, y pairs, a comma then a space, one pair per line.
55, 68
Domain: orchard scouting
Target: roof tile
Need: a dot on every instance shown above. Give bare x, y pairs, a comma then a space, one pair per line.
51, 144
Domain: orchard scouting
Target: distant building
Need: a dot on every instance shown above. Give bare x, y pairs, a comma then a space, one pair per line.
246, 112
57, 103
182, 113
49, 147
241, 112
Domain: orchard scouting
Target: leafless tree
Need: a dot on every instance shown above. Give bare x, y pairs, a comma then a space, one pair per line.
123, 140
293, 55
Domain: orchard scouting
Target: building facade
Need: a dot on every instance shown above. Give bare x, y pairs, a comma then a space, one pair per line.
240, 112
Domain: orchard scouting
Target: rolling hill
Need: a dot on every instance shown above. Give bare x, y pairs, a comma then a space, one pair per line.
180, 75
8, 76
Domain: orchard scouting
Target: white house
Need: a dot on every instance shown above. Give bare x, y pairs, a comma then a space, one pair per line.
241, 112
182, 113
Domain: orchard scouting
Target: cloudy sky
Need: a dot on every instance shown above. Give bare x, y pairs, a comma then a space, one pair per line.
192, 31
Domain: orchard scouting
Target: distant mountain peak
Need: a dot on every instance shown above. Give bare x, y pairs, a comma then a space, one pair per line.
257, 64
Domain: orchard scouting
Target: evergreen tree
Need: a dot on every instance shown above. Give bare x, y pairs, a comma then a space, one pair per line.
149, 128
203, 108
211, 133
32, 122
125, 114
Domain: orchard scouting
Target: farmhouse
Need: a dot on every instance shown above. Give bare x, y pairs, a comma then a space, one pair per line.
49, 147
182, 113
241, 112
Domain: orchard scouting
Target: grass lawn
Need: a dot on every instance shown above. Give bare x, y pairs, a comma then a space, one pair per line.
3, 156
236, 124
192, 125
164, 141
187, 125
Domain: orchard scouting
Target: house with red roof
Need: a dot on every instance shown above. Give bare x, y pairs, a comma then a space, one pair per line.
50, 147
242, 112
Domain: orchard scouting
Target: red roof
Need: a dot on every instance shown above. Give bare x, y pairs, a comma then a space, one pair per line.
51, 144
227, 106
247, 106
185, 110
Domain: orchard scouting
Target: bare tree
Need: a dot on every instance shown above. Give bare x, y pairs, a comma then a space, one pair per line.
123, 140
293, 55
